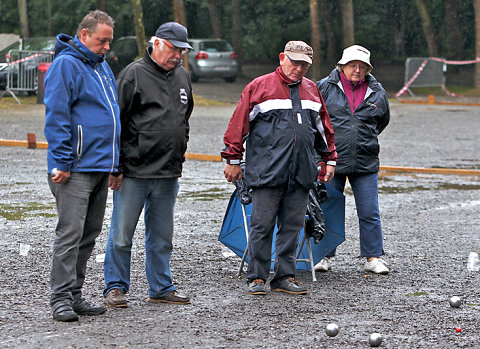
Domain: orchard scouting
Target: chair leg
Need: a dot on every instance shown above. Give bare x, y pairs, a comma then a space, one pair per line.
240, 270
310, 255
309, 246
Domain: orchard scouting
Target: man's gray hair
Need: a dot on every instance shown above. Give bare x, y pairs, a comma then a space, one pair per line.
152, 41
92, 18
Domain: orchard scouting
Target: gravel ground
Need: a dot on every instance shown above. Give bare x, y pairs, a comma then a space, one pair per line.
430, 223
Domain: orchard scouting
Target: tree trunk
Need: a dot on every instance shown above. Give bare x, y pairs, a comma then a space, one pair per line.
49, 17
332, 49
398, 17
23, 14
237, 31
315, 73
179, 15
348, 25
139, 28
427, 27
476, 5
179, 12
454, 38
214, 19
102, 5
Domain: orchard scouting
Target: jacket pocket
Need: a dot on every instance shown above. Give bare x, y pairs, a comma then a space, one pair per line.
79, 142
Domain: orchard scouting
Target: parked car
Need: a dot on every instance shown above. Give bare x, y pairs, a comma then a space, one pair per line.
212, 58
123, 51
31, 66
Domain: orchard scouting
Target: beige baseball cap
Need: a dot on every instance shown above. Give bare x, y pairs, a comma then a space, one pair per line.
355, 53
299, 51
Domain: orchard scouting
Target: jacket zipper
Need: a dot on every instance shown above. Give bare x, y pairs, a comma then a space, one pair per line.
113, 116
109, 85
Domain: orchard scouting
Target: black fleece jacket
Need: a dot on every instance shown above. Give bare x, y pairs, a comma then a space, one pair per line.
155, 106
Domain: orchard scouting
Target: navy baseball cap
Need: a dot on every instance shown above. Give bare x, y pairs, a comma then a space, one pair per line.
175, 33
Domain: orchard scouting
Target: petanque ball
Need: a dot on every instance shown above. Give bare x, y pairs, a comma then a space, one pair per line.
375, 339
455, 302
331, 330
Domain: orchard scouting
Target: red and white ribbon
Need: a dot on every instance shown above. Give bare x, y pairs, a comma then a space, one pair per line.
476, 60
451, 94
412, 79
30, 57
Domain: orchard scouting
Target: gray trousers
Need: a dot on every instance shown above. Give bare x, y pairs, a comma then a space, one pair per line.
286, 206
81, 207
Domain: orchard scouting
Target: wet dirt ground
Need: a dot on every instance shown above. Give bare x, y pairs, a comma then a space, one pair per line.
430, 223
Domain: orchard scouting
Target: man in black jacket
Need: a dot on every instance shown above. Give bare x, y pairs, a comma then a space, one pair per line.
155, 99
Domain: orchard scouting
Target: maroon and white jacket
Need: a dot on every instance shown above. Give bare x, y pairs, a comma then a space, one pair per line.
286, 128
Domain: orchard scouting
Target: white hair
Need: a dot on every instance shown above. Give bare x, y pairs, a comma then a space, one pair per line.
154, 38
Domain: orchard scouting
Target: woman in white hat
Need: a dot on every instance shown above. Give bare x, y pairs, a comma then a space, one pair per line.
359, 112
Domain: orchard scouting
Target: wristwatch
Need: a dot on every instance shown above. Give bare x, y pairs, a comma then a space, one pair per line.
233, 162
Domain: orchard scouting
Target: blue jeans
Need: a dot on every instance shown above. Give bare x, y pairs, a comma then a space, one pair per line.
365, 191
158, 197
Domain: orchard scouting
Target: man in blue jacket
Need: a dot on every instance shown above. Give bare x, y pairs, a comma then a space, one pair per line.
82, 128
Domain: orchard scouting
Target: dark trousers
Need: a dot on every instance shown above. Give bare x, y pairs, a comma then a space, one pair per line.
286, 206
81, 207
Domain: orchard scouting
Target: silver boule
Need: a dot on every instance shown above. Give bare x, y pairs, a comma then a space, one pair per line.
331, 330
455, 302
54, 172
375, 339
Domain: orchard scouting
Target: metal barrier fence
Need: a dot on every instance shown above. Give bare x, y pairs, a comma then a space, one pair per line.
22, 73
431, 75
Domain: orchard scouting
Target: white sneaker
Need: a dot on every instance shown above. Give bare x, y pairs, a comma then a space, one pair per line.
377, 266
324, 265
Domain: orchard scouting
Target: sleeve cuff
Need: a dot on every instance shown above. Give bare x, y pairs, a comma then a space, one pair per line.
233, 161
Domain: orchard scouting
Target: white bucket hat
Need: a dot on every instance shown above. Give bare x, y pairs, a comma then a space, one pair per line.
355, 53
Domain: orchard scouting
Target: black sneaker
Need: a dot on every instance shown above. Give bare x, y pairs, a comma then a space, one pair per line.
82, 307
65, 313
257, 287
288, 285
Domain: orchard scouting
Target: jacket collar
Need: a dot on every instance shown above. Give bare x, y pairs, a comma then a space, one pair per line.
334, 78
62, 46
284, 78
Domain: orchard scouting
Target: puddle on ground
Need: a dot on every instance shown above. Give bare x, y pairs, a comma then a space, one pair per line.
21, 211
396, 184
205, 195
440, 186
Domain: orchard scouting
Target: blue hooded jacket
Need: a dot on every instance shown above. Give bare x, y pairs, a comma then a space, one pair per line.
82, 124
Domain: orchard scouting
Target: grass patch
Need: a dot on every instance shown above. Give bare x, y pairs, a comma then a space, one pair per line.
416, 294
200, 101
466, 91
20, 212
7, 102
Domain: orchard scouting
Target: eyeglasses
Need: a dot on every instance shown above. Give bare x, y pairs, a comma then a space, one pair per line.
182, 51
360, 67
304, 65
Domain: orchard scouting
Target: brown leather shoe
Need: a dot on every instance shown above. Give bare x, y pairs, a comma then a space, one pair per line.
172, 297
116, 299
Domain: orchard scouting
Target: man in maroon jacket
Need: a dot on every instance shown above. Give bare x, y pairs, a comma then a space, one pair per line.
282, 119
